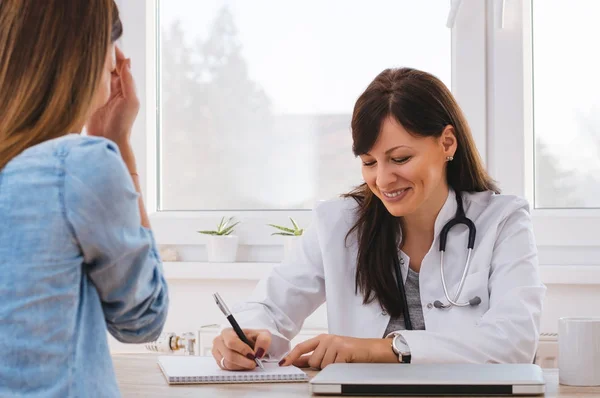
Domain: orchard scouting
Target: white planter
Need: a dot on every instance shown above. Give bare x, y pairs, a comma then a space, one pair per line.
222, 249
289, 243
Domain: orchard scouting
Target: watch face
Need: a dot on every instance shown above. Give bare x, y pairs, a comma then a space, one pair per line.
395, 347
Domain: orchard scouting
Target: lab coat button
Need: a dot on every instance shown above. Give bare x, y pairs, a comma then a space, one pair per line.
430, 306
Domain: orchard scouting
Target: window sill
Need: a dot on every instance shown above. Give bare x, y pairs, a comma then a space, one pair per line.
187, 270
551, 274
570, 274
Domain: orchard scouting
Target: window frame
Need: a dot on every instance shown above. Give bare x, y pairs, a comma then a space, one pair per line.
511, 130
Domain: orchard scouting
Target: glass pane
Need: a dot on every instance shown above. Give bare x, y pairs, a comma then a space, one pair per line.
566, 74
256, 96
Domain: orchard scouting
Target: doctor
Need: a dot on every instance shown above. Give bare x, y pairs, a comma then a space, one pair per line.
425, 262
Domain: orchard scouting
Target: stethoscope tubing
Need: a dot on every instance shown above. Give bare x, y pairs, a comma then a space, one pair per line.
460, 285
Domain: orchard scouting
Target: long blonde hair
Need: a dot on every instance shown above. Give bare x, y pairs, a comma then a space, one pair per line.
52, 56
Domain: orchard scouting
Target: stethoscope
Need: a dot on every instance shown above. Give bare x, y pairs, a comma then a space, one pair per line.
459, 218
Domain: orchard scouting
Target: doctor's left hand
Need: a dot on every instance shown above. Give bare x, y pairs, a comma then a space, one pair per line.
326, 349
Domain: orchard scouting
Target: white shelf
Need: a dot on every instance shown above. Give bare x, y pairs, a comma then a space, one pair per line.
551, 274
228, 271
570, 274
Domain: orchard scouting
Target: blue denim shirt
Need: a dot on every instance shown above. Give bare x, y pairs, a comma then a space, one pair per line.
74, 262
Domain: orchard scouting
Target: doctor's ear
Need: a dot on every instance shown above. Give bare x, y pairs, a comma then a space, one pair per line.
448, 141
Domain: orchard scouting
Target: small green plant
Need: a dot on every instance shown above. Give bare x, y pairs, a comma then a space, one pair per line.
225, 228
294, 231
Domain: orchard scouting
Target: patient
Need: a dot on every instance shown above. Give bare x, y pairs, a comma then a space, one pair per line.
77, 256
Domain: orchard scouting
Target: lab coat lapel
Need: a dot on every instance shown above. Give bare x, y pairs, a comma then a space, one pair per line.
429, 281
373, 320
447, 212
454, 255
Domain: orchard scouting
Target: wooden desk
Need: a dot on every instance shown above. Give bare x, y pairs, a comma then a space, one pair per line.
139, 376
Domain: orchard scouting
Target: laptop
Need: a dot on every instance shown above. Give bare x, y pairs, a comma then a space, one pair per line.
428, 379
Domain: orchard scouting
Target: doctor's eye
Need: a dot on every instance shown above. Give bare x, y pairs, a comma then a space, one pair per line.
367, 164
401, 160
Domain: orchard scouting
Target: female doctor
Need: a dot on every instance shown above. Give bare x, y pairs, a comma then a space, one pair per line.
425, 262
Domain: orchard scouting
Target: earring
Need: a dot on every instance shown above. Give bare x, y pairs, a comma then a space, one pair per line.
449, 158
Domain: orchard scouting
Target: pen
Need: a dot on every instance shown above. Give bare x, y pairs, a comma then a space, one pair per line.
223, 307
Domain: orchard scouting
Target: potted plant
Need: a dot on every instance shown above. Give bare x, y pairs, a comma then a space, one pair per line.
292, 234
222, 245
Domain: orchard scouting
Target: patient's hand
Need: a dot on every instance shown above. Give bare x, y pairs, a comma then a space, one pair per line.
236, 354
114, 120
328, 348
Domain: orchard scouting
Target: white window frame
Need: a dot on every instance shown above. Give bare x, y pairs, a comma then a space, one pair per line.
139, 17
563, 236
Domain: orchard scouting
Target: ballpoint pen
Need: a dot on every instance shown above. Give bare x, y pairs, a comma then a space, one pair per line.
223, 307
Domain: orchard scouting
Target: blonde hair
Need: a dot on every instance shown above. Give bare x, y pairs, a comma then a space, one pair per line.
51, 62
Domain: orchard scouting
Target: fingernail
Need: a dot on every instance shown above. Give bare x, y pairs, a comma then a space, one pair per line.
259, 353
282, 362
251, 357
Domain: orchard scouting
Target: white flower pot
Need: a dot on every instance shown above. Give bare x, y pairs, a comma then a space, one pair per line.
289, 243
222, 249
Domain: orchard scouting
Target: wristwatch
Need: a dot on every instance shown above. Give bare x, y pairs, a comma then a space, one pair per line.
400, 348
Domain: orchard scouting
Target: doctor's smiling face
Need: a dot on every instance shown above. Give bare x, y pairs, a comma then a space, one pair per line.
405, 126
407, 172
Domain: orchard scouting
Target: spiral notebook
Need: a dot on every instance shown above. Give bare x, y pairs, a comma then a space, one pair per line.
198, 370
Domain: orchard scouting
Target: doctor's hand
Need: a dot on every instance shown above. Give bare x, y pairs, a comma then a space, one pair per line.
326, 349
231, 353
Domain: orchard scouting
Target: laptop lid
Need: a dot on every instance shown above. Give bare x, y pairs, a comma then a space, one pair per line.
429, 379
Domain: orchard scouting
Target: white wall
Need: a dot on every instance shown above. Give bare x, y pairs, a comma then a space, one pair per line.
192, 306
569, 300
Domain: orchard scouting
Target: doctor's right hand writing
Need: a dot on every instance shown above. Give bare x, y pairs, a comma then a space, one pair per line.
231, 353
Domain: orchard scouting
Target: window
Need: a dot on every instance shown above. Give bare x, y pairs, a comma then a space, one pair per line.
566, 99
539, 141
256, 96
246, 105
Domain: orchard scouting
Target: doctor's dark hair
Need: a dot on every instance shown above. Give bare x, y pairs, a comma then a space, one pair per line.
52, 56
424, 106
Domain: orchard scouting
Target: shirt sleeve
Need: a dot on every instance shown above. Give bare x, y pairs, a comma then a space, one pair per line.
120, 256
287, 296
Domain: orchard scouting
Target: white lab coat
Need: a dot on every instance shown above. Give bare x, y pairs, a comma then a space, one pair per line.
504, 273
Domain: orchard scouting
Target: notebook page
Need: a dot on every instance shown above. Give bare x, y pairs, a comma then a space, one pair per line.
195, 369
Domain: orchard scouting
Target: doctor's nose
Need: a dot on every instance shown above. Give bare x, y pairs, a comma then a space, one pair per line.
385, 179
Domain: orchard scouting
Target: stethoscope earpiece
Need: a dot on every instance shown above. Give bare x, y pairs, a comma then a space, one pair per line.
438, 304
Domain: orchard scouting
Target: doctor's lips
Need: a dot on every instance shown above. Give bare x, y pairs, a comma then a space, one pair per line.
394, 196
